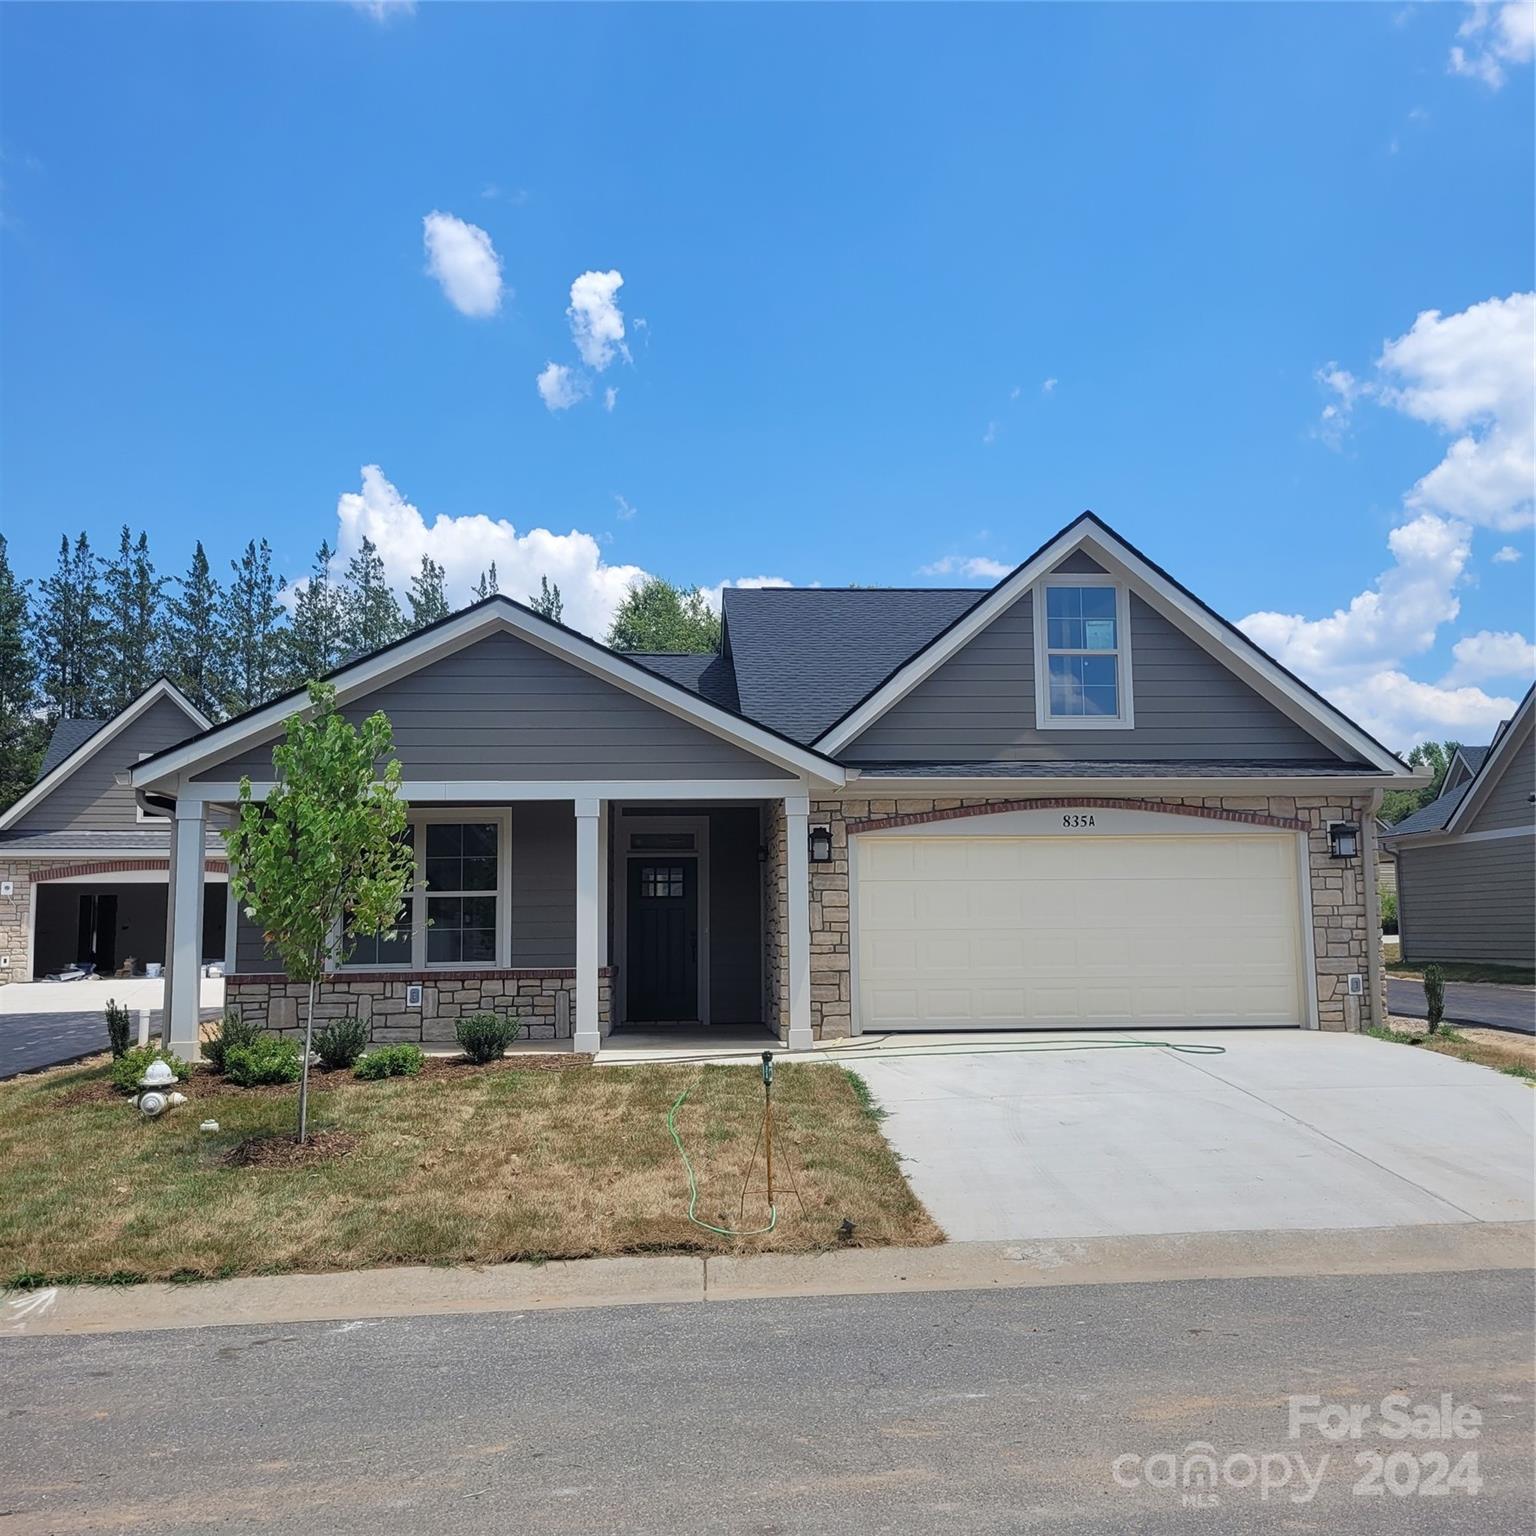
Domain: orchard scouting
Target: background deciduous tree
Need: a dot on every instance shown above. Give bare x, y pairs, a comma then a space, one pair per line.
1434, 755
22, 730
658, 616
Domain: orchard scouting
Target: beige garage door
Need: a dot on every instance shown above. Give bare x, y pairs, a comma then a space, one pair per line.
969, 932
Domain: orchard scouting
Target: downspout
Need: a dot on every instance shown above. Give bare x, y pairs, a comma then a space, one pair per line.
1373, 977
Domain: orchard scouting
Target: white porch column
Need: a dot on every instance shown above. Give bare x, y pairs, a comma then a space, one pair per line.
183, 987
588, 907
797, 812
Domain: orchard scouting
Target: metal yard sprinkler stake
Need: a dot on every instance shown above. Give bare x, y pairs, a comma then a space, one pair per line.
765, 1141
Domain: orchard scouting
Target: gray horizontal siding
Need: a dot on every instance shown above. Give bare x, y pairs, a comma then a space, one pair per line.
1462, 901
90, 799
980, 706
1509, 800
544, 884
1079, 562
503, 709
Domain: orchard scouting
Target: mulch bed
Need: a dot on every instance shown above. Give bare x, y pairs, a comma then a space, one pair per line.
285, 1152
522, 1061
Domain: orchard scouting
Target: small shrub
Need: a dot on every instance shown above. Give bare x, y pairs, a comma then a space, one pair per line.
119, 1027
1389, 911
269, 1059
134, 1063
389, 1061
232, 1031
1434, 995
485, 1036
341, 1042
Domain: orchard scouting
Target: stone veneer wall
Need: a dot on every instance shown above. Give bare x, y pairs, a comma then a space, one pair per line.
1345, 914
15, 919
378, 998
775, 911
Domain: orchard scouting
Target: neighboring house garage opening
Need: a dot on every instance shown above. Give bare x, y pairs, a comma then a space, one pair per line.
108, 923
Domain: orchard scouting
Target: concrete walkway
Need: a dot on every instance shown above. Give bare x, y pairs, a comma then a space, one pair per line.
419, 1291
1287, 1131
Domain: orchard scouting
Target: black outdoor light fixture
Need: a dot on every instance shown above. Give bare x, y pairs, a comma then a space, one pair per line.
821, 845
1344, 839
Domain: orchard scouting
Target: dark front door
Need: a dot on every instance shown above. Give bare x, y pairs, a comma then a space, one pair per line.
663, 944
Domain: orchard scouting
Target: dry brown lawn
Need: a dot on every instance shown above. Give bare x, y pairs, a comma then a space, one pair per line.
470, 1168
1505, 1052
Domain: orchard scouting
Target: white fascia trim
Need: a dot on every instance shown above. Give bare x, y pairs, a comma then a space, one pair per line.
862, 787
1504, 749
163, 689
409, 655
1240, 653
1439, 839
496, 791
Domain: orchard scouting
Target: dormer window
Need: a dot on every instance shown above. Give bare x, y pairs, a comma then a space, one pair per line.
1082, 645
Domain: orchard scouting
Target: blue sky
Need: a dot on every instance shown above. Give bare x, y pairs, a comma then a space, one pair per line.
901, 290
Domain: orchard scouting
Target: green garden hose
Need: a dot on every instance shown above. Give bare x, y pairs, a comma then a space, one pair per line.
693, 1183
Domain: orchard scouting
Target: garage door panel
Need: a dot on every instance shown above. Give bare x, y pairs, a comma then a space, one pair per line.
1106, 931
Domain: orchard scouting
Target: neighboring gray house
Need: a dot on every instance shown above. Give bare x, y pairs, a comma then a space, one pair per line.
1080, 799
83, 871
1466, 862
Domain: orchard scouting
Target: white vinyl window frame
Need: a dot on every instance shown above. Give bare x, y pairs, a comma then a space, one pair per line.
1125, 698
419, 820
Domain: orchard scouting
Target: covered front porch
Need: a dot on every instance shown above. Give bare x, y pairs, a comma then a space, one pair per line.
640, 915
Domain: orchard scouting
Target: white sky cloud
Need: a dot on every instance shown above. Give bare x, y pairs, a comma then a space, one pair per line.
1401, 712
1048, 387
385, 11
610, 398
464, 262
1471, 373
560, 387
625, 509
990, 435
1506, 555
1491, 655
597, 323
712, 594
1491, 38
977, 567
465, 546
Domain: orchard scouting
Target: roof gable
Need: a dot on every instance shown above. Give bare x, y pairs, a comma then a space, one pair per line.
1219, 638
161, 715
225, 746
805, 655
1505, 776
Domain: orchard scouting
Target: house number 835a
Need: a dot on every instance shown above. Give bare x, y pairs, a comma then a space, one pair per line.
1077, 819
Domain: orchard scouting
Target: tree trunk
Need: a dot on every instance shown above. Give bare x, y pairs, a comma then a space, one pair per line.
309, 1035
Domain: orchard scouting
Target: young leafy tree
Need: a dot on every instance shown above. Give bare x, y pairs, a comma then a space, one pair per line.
21, 728
488, 584
253, 627
547, 600
194, 648
129, 660
323, 858
370, 615
67, 630
428, 600
313, 642
657, 616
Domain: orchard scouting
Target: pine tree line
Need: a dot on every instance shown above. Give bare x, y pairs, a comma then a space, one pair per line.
88, 638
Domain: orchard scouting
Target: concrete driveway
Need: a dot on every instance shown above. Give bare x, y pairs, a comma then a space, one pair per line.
1288, 1130
44, 1023
1490, 1004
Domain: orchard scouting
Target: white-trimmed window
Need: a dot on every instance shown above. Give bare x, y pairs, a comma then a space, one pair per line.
457, 913
1083, 654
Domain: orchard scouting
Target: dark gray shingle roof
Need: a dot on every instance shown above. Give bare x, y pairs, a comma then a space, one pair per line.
1431, 817
1473, 756
1163, 768
68, 735
804, 656
151, 841
707, 675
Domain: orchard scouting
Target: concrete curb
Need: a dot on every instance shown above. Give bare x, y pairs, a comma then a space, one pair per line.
419, 1291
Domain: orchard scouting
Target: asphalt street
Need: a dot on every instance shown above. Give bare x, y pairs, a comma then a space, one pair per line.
1064, 1410
1469, 1002
31, 1041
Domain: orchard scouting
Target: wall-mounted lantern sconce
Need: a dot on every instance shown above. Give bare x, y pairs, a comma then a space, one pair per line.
821, 845
1344, 839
